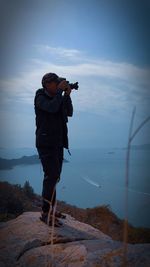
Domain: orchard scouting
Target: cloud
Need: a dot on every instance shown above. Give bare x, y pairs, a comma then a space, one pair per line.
70, 54
105, 86
86, 66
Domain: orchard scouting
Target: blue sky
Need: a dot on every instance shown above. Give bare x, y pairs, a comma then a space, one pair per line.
104, 45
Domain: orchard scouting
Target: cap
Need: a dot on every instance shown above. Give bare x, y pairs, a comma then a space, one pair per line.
49, 77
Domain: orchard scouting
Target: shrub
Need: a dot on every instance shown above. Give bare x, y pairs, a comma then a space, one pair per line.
28, 190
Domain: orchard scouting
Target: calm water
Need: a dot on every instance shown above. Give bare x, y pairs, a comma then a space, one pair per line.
94, 177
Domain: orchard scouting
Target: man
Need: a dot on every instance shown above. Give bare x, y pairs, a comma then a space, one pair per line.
53, 105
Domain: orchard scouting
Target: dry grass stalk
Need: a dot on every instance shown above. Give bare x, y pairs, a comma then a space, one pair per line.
130, 138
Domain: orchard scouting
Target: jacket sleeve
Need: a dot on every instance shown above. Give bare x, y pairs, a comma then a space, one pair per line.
68, 105
48, 104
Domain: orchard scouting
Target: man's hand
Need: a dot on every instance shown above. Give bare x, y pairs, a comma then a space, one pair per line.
64, 86
68, 90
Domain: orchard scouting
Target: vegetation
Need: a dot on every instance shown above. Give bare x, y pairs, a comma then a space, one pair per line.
28, 190
105, 220
14, 200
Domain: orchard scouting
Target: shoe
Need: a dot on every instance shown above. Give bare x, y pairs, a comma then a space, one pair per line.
60, 215
44, 218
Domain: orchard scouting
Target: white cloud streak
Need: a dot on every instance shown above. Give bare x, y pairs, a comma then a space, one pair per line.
72, 54
112, 85
87, 66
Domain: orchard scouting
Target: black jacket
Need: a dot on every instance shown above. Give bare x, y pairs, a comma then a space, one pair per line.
51, 118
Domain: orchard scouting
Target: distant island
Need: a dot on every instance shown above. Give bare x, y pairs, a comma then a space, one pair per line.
7, 164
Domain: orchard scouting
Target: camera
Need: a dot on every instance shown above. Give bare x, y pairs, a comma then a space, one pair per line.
72, 85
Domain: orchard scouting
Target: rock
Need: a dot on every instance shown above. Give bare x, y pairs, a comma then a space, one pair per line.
26, 241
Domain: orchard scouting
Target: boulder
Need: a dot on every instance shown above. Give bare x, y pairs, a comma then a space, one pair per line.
26, 241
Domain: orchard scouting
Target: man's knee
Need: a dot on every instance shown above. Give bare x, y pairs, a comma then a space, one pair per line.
46, 178
51, 179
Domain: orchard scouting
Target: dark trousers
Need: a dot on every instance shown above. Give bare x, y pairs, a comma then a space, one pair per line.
51, 159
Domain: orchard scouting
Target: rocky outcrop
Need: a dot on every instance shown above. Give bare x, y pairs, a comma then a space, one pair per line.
26, 241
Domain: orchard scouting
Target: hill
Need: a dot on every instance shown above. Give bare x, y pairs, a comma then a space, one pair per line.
14, 200
7, 164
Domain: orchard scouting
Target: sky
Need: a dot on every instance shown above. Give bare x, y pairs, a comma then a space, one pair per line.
104, 45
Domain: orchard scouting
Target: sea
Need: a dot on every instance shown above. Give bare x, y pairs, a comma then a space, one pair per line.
93, 177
